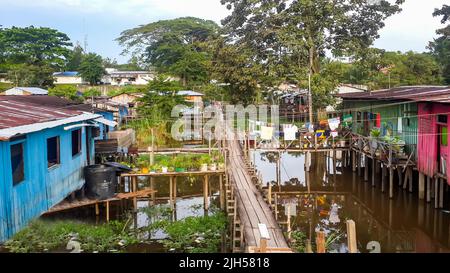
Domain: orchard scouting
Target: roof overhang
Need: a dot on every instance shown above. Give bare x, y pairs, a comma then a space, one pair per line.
8, 133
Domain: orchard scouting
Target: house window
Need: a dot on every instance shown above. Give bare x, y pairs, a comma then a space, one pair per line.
53, 152
76, 142
444, 136
17, 163
442, 119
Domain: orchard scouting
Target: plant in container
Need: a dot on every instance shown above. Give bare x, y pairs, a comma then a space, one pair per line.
180, 165
204, 161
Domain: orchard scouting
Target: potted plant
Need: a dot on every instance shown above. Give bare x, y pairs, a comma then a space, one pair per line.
164, 163
204, 161
179, 164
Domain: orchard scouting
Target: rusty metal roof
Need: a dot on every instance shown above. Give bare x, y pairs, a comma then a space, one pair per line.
407, 93
18, 111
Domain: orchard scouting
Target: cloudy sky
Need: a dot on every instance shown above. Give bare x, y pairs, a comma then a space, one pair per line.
103, 20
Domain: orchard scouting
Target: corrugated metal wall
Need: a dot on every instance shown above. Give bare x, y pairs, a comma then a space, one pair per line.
43, 187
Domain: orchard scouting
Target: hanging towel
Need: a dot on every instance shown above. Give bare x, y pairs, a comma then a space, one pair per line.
400, 126
290, 133
266, 133
334, 134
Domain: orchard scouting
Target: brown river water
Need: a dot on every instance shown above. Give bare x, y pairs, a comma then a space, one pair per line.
403, 224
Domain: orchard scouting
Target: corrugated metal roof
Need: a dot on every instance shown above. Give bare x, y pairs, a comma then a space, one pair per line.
31, 90
52, 101
406, 93
19, 117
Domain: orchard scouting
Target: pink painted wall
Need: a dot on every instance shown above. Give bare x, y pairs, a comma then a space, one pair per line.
428, 141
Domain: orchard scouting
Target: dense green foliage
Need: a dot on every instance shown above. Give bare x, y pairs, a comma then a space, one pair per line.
30, 55
48, 236
172, 46
91, 68
64, 91
440, 47
75, 58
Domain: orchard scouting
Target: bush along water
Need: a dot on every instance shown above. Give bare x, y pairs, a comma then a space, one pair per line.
54, 236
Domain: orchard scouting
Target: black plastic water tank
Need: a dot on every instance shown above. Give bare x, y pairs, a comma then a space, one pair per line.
101, 181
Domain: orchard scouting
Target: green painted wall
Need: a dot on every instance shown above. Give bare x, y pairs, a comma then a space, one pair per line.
389, 119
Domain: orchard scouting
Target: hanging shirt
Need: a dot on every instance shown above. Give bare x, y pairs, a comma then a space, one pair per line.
378, 120
290, 133
266, 133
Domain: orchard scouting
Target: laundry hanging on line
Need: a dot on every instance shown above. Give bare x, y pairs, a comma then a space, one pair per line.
290, 133
334, 123
267, 133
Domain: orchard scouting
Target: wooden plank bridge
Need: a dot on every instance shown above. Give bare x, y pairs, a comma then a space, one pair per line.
250, 209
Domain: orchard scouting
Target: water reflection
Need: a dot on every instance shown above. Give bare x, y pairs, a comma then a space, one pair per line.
401, 224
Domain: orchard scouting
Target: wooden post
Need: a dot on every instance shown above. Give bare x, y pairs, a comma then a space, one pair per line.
428, 189
373, 171
263, 245
308, 246
441, 193
351, 237
358, 161
289, 221
97, 209
107, 211
152, 187
222, 195
134, 190
335, 160
171, 192
174, 191
269, 197
436, 193
391, 182
320, 241
383, 177
205, 193
421, 186
366, 168
276, 206
400, 176
353, 161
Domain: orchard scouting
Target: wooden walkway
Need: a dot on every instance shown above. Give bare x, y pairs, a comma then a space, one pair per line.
251, 206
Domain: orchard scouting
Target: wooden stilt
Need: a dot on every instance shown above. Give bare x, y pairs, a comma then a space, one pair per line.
135, 207
358, 162
320, 242
383, 178
366, 168
174, 191
205, 193
428, 189
222, 195
391, 182
171, 192
373, 172
436, 193
421, 186
411, 179
152, 187
351, 237
107, 211
400, 176
441, 193
353, 161
97, 210
432, 188
269, 194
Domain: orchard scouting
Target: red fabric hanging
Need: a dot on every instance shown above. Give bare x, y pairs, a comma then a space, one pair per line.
378, 120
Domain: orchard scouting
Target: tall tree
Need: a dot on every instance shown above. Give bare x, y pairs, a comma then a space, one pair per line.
91, 68
305, 29
440, 47
75, 58
31, 54
172, 46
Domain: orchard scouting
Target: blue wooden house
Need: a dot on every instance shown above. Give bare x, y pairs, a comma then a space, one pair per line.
43, 150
